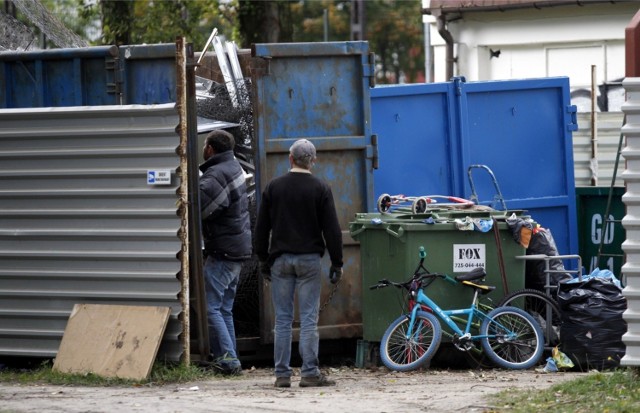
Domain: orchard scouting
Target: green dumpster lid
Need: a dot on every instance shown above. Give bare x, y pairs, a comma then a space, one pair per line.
432, 220
439, 215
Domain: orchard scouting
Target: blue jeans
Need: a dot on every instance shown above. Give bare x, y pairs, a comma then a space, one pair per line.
221, 281
301, 272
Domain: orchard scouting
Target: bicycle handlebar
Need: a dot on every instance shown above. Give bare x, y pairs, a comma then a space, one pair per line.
380, 284
450, 280
385, 283
417, 276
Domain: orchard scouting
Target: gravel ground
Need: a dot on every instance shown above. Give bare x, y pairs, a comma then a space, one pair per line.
357, 390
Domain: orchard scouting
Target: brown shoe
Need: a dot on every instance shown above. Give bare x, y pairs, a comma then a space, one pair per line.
283, 382
316, 381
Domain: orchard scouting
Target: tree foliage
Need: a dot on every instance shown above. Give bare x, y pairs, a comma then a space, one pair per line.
395, 33
117, 27
70, 12
265, 21
310, 25
153, 21
393, 27
282, 21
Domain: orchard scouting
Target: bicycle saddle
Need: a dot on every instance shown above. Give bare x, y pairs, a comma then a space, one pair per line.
474, 274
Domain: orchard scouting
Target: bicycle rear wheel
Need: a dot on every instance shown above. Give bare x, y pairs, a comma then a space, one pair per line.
543, 308
404, 350
514, 338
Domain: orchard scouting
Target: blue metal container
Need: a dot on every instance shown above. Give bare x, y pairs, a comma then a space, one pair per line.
429, 135
319, 91
148, 74
92, 76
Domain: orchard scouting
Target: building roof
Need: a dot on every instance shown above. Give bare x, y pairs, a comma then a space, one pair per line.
440, 7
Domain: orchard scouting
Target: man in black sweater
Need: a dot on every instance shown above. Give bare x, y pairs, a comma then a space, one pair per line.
297, 215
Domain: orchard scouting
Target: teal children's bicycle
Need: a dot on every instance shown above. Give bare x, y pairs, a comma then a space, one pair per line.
508, 336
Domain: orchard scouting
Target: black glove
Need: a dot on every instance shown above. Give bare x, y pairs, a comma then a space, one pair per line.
335, 273
265, 270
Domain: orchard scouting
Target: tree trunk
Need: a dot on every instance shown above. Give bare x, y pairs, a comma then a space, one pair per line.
271, 22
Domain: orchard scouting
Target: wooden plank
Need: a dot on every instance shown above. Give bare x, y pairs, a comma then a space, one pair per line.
112, 340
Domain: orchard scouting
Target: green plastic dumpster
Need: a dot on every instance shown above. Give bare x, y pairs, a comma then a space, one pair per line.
599, 235
389, 248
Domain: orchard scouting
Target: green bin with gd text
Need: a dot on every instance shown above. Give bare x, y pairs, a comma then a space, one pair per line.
389, 248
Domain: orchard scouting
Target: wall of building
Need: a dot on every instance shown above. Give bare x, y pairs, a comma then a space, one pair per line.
551, 41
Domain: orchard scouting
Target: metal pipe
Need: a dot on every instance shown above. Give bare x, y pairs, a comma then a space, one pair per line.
594, 130
448, 38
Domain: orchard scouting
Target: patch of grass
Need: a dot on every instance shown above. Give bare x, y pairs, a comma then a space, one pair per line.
161, 373
608, 392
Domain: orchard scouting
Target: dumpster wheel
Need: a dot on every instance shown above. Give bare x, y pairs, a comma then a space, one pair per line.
419, 205
384, 203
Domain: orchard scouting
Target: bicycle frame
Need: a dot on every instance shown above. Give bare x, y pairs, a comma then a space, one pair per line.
471, 313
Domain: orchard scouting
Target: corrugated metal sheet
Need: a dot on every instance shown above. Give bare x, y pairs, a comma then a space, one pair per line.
631, 221
608, 126
80, 224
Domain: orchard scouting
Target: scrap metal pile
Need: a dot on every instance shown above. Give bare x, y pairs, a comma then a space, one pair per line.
229, 101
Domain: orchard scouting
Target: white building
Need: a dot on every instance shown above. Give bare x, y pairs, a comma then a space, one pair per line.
514, 39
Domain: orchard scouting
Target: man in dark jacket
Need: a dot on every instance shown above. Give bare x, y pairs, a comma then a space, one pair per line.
227, 241
297, 216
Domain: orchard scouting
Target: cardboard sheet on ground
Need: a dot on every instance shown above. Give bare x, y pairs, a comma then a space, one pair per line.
112, 340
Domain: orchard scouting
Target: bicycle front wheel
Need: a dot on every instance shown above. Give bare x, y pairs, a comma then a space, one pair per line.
514, 339
405, 349
542, 307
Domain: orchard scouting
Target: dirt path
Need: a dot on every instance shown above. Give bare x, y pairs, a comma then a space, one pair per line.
357, 390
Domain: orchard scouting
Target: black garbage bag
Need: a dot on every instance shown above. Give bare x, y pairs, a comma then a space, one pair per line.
592, 325
542, 242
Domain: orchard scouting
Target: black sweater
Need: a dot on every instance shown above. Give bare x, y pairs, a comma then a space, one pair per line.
297, 209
